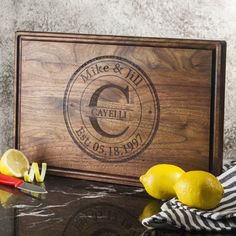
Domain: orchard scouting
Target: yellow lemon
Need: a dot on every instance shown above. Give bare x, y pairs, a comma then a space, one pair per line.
14, 163
152, 208
160, 179
199, 189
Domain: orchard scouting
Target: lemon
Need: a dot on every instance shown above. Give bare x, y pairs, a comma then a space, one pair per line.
152, 208
160, 179
14, 163
199, 189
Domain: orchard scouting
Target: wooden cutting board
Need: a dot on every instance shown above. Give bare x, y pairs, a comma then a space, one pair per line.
107, 108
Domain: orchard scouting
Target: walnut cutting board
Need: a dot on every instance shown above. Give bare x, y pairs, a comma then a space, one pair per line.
107, 108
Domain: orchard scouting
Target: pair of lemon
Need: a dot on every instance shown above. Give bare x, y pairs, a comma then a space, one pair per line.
198, 189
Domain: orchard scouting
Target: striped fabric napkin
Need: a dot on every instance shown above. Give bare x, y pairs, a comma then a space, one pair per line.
223, 217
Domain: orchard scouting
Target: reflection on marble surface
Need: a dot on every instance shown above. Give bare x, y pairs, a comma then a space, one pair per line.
80, 208
102, 219
74, 207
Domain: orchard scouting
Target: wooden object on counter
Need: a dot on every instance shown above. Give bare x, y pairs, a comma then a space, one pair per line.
107, 108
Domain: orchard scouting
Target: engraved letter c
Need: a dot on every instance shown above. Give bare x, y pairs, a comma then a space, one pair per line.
93, 103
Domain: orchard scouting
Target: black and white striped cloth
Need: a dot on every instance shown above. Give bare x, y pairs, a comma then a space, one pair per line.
223, 217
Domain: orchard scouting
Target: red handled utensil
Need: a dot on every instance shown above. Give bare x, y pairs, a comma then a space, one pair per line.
20, 184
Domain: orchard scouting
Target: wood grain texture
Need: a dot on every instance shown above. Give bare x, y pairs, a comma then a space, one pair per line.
108, 108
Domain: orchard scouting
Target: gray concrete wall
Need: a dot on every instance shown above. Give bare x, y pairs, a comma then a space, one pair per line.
199, 19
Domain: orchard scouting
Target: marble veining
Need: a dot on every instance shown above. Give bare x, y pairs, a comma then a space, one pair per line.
68, 210
197, 19
36, 213
74, 207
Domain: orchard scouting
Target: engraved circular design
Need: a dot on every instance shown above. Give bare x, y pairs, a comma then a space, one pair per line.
111, 109
102, 219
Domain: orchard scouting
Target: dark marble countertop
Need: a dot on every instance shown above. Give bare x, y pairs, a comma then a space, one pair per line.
77, 207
